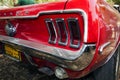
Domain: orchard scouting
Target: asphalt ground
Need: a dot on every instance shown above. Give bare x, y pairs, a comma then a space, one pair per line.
12, 70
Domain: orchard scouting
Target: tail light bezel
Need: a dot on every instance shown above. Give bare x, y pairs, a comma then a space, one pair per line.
74, 11
50, 32
72, 33
59, 31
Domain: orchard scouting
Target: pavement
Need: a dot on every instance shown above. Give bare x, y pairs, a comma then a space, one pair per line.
12, 70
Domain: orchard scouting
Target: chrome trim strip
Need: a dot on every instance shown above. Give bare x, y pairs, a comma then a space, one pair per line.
59, 52
103, 46
74, 60
59, 32
34, 16
80, 11
51, 21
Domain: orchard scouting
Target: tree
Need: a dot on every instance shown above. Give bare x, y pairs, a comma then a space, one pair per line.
116, 2
8, 3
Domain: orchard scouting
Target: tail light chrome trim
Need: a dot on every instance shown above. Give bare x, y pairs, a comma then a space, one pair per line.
74, 32
62, 31
103, 46
51, 30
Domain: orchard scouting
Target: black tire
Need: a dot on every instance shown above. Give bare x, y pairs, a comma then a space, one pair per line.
109, 71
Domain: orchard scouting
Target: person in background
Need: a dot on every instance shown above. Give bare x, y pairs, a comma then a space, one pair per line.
25, 2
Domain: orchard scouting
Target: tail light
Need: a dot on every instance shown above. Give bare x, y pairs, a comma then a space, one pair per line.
61, 25
74, 32
52, 31
62, 31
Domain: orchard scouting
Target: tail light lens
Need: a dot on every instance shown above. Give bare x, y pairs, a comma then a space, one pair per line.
62, 31
68, 29
52, 31
74, 32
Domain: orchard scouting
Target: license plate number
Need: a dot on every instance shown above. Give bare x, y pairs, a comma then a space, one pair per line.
14, 53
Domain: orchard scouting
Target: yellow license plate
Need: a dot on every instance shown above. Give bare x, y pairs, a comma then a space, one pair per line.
14, 53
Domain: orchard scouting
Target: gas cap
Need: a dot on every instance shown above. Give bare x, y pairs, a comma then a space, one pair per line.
10, 29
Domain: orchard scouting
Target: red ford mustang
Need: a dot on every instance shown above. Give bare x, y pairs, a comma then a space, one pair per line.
68, 38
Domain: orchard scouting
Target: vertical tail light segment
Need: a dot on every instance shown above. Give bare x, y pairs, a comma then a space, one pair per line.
52, 31
62, 31
74, 31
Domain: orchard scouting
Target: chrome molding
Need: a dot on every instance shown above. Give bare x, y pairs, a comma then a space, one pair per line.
74, 60
103, 46
80, 11
63, 53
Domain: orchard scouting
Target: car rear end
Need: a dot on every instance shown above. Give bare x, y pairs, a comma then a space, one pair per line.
54, 37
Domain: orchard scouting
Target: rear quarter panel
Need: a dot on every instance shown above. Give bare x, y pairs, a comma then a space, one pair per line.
103, 27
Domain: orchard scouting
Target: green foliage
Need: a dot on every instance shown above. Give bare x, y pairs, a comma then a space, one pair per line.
110, 2
116, 1
8, 3
11, 3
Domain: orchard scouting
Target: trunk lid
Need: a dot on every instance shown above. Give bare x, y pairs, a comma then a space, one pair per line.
31, 10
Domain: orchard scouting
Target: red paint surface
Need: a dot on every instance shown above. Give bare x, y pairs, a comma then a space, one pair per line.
102, 27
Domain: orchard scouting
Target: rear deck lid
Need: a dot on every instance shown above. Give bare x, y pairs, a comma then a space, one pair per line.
32, 10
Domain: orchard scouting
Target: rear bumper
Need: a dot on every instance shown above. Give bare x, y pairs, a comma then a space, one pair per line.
74, 60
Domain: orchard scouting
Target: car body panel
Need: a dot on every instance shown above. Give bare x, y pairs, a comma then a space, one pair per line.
102, 29
31, 10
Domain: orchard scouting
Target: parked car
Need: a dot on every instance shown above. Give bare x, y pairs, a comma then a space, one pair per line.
68, 38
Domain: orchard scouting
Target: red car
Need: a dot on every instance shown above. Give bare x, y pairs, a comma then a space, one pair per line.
68, 38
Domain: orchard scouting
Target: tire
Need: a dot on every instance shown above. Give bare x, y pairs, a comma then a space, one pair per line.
109, 71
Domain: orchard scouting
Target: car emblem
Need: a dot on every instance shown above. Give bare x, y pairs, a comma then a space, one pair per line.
10, 30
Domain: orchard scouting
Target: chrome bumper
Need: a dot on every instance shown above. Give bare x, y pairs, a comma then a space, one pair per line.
74, 60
